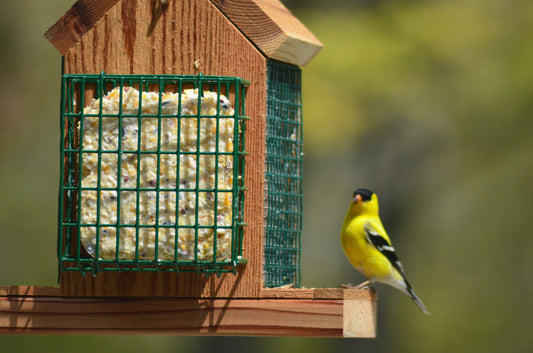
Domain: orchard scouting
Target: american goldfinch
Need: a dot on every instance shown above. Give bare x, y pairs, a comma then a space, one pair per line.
368, 247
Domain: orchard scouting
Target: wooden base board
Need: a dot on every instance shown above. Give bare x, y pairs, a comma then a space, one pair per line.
321, 312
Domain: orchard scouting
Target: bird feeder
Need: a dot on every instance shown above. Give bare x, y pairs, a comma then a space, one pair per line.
181, 167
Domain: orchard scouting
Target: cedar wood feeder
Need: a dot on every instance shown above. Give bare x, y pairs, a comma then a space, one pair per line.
181, 169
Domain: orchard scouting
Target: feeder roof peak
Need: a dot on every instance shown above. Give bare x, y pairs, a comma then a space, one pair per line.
268, 24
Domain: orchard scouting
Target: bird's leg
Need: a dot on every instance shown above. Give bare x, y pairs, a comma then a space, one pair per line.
362, 285
349, 286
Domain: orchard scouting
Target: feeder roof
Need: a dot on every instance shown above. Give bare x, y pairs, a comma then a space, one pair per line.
268, 24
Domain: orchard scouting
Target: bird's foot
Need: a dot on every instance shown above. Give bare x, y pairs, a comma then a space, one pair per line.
360, 286
363, 285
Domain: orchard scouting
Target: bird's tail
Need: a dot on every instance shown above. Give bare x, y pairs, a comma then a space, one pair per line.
399, 281
411, 293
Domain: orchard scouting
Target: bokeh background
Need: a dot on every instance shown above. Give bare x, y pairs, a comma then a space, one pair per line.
428, 103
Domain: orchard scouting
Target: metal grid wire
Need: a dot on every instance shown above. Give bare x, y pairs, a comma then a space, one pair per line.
283, 175
77, 93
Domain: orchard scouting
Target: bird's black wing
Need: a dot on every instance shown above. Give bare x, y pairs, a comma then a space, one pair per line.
384, 247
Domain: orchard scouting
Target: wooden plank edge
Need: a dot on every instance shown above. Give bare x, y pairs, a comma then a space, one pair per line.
265, 293
226, 332
274, 30
359, 318
319, 293
294, 51
30, 291
68, 30
44, 313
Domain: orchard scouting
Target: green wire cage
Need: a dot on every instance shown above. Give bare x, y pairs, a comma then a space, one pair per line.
284, 175
152, 173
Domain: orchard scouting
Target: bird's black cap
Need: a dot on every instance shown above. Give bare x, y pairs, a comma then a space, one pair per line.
366, 194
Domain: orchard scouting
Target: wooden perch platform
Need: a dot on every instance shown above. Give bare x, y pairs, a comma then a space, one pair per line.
324, 312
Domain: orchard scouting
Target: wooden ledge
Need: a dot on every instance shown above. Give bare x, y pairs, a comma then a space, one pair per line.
319, 293
321, 312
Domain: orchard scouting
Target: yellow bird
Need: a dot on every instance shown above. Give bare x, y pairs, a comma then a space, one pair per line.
368, 247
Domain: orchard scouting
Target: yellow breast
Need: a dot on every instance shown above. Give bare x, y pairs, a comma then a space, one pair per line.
361, 254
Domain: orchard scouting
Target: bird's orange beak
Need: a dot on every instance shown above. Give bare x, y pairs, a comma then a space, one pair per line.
357, 199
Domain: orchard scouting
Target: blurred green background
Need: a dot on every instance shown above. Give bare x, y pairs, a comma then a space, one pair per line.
428, 103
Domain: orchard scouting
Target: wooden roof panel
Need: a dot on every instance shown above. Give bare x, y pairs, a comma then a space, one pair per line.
268, 24
76, 22
273, 29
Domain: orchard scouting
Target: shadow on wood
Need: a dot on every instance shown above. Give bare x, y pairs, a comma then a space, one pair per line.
290, 312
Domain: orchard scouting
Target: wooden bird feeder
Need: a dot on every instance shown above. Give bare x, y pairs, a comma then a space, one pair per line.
222, 181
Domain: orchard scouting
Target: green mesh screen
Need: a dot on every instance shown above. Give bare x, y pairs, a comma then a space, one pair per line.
151, 173
283, 175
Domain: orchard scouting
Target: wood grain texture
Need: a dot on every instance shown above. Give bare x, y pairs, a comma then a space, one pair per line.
360, 318
268, 24
47, 314
346, 293
30, 291
78, 20
292, 293
181, 37
273, 28
319, 293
